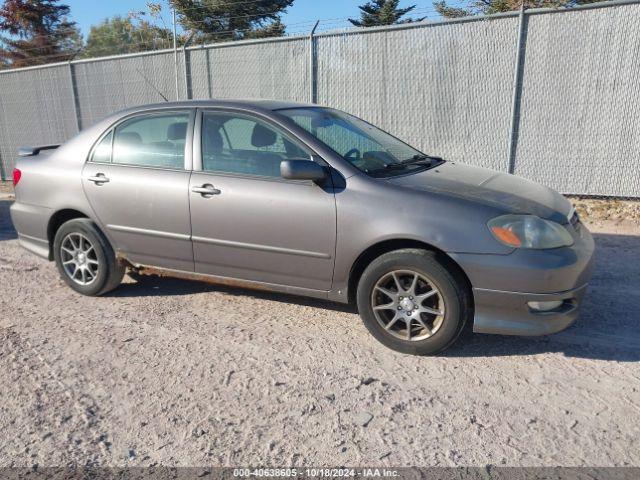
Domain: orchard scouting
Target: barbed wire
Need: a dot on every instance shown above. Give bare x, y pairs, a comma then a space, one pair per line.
323, 22
224, 17
300, 28
196, 22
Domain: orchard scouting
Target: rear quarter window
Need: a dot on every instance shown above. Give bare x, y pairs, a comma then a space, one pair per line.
102, 151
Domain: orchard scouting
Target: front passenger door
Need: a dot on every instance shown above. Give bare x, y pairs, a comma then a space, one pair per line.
247, 221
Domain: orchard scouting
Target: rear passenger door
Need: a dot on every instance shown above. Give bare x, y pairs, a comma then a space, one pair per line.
137, 182
247, 221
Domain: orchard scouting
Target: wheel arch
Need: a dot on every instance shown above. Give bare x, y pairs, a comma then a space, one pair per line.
57, 220
374, 251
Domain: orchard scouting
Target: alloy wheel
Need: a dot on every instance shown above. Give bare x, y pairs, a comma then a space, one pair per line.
79, 259
408, 305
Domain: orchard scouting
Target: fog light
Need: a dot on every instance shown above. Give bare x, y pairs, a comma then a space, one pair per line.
544, 306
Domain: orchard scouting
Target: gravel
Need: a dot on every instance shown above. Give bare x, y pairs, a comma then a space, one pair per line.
607, 209
363, 418
6, 188
169, 372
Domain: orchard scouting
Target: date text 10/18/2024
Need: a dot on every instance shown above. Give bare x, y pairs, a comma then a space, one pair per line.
315, 472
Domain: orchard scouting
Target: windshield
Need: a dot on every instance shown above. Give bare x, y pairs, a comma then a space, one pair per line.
366, 147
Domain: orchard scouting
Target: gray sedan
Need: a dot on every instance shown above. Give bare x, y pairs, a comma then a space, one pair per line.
310, 201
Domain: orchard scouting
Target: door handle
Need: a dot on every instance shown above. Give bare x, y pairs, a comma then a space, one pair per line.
98, 179
207, 190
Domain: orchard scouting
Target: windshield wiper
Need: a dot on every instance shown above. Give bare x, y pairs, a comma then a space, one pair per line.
416, 159
419, 158
427, 160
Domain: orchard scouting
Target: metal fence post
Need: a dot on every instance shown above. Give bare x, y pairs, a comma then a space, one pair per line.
186, 55
175, 53
3, 175
74, 96
3, 138
517, 88
208, 62
313, 73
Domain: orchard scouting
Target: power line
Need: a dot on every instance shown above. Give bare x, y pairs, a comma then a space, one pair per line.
201, 22
226, 18
323, 23
326, 24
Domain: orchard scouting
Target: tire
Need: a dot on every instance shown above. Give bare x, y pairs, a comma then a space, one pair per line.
436, 312
86, 248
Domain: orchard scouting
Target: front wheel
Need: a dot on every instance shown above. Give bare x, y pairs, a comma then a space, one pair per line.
85, 259
412, 302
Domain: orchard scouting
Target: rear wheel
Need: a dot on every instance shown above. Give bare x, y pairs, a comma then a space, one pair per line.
412, 302
85, 259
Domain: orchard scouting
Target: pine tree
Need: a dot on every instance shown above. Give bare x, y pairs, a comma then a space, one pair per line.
120, 35
38, 32
488, 7
382, 12
220, 20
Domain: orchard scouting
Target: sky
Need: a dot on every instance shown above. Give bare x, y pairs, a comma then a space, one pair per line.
300, 17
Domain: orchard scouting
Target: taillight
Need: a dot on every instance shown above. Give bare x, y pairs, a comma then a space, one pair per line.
17, 175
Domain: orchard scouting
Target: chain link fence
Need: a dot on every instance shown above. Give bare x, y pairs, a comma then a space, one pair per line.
565, 112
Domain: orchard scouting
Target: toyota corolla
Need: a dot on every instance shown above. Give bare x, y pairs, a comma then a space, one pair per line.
310, 201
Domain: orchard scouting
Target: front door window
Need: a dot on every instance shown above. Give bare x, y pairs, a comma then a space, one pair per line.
234, 143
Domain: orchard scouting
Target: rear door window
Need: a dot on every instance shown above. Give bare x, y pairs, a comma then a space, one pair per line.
156, 140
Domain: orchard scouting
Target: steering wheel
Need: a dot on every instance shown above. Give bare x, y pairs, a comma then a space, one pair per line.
353, 155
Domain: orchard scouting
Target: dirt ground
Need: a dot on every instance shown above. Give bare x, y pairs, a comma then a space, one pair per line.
179, 373
6, 188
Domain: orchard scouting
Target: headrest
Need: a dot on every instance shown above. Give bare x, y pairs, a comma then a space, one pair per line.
130, 138
177, 131
213, 141
262, 136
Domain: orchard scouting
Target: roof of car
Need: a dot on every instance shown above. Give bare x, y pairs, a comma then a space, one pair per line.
251, 104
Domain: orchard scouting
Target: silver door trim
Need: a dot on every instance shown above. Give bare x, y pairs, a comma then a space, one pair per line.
196, 143
188, 144
152, 233
263, 248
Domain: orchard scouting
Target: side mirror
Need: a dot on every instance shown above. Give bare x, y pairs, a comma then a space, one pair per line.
302, 170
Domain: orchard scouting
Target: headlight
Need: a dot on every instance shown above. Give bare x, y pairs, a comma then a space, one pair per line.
529, 231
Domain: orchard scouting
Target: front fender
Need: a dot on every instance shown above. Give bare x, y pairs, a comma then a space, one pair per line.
371, 211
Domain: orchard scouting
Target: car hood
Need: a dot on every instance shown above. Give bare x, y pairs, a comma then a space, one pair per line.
500, 190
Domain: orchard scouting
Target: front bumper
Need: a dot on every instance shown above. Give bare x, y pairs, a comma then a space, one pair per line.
508, 313
503, 286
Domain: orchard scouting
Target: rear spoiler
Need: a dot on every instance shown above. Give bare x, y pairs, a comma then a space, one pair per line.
33, 151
